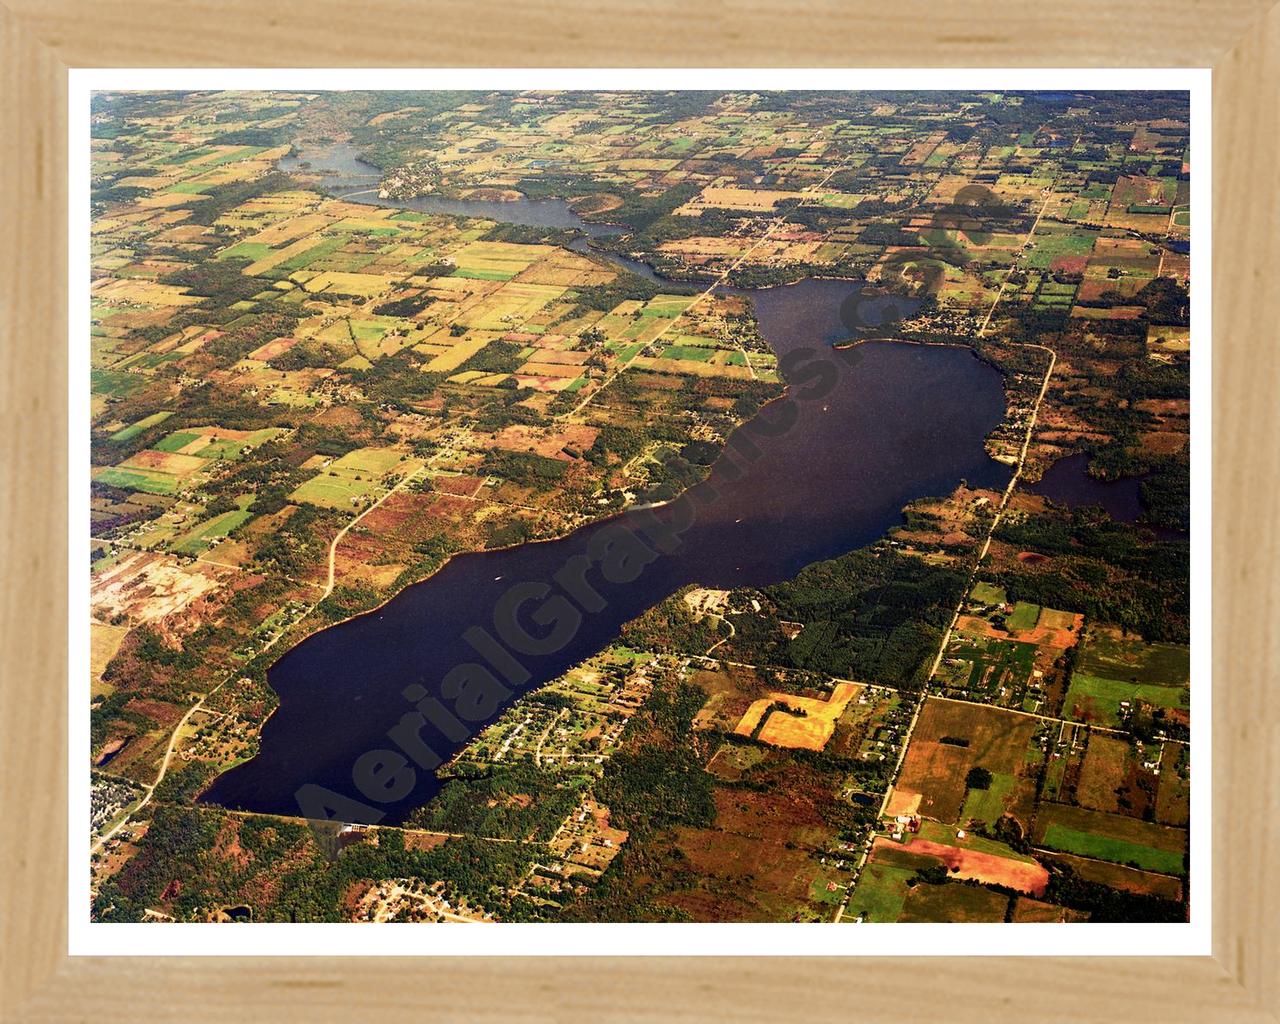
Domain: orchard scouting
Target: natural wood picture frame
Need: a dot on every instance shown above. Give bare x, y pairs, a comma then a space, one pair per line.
42, 39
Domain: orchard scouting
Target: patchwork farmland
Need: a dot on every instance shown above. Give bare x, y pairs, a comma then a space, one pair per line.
339, 338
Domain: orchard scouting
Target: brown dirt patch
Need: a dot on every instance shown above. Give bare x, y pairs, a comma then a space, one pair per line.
1121, 876
1026, 910
985, 867
1103, 772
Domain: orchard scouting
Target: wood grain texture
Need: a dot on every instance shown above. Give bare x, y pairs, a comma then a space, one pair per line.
38, 40
655, 33
1246, 536
33, 500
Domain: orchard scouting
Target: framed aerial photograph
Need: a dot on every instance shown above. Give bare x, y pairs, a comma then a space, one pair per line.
634, 521
559, 499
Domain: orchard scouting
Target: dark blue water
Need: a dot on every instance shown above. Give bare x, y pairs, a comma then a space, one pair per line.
1067, 482
830, 471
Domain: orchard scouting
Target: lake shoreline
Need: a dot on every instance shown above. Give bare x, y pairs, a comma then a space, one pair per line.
851, 501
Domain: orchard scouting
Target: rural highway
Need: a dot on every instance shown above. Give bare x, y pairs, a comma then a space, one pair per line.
337, 539
977, 565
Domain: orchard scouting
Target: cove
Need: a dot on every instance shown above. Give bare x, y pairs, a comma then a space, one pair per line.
810, 477
1067, 482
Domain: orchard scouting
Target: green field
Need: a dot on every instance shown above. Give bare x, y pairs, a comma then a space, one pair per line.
1100, 698
176, 441
1123, 657
477, 274
1086, 844
1024, 616
1112, 837
1112, 668
987, 805
217, 448
114, 383
1049, 247
148, 480
987, 593
133, 430
202, 537
881, 893
348, 479
244, 250
666, 305
225, 449
693, 352
306, 258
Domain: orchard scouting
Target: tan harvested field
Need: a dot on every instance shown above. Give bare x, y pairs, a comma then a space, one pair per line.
104, 641
543, 383
147, 293
758, 200
341, 283
567, 270
273, 348
550, 355
545, 369
1054, 629
459, 351
290, 230
691, 367
545, 441
174, 463
808, 730
1029, 911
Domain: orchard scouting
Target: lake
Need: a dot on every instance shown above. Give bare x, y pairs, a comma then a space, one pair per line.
1067, 482
344, 175
899, 422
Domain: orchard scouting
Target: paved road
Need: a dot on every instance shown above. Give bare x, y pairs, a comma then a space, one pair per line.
977, 565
